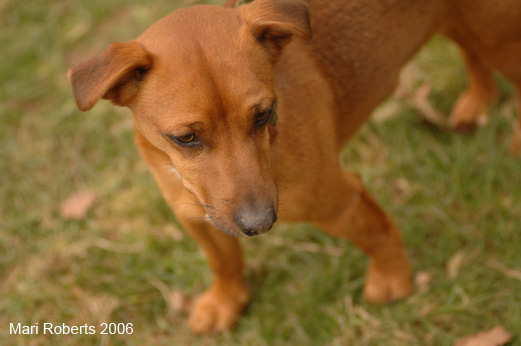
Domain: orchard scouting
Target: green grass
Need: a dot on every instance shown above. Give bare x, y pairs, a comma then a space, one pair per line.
451, 194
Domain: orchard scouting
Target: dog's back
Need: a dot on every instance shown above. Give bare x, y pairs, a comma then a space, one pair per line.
360, 47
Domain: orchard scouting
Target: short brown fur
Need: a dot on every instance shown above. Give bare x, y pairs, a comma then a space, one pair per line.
210, 76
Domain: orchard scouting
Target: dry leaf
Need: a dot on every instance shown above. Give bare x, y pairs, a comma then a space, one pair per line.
386, 111
77, 205
179, 301
403, 185
176, 300
511, 273
454, 264
97, 308
423, 281
497, 336
174, 232
420, 101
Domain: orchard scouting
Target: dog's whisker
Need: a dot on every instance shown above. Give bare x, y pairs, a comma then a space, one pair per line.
228, 201
206, 218
281, 183
196, 202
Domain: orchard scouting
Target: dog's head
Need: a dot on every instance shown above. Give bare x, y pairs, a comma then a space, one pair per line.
200, 85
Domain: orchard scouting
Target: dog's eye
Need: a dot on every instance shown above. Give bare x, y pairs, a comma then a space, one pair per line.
186, 140
262, 118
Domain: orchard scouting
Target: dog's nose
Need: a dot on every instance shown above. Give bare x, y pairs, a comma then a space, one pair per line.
253, 221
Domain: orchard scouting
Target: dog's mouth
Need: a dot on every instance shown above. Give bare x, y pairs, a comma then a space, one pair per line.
254, 233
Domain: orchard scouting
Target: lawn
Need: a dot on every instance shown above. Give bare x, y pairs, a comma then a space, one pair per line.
456, 197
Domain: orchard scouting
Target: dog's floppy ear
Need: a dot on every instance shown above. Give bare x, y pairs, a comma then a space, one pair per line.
274, 22
114, 74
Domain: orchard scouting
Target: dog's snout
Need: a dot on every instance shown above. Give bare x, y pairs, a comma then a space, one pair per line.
254, 221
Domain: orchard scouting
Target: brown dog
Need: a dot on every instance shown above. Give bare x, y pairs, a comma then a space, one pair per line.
204, 85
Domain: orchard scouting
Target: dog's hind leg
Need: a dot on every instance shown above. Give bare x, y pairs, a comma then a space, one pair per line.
473, 104
471, 107
351, 213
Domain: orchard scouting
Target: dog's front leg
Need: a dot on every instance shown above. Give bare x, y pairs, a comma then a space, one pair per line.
219, 307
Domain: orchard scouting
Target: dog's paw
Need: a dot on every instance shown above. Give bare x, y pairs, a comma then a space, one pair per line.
468, 113
217, 309
383, 287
